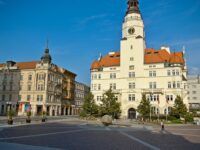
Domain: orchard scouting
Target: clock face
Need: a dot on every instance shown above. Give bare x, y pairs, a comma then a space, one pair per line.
131, 31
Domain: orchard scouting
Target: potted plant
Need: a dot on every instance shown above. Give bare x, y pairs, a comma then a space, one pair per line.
11, 113
43, 116
28, 119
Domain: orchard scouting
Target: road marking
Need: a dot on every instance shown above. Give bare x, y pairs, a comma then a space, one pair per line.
140, 141
38, 135
6, 146
107, 128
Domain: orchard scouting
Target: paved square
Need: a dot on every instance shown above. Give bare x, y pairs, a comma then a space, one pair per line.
75, 135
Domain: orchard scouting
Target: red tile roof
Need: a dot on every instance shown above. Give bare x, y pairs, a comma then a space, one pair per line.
151, 56
24, 65
32, 65
162, 56
107, 61
27, 65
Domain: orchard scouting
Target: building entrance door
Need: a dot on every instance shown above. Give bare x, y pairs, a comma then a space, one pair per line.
39, 110
131, 113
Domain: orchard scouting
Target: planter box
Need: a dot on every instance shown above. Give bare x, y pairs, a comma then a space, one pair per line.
28, 120
43, 120
10, 122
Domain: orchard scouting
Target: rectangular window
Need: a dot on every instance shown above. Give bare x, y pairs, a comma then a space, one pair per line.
113, 86
194, 92
177, 72
169, 97
174, 85
132, 85
29, 87
99, 87
131, 59
39, 98
173, 72
95, 87
169, 85
154, 85
131, 74
154, 73
168, 72
178, 85
99, 76
3, 97
132, 67
131, 97
28, 97
150, 85
150, 74
99, 98
30, 77
95, 76
113, 76
4, 87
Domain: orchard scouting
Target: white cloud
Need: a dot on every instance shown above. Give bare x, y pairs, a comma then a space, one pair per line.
92, 18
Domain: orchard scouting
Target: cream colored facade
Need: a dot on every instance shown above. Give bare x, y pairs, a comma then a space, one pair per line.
161, 82
194, 92
39, 86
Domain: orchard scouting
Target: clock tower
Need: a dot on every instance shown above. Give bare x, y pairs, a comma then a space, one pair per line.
133, 25
132, 45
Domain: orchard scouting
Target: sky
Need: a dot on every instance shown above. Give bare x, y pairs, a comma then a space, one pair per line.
79, 30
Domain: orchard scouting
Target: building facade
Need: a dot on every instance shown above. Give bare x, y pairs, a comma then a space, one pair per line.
194, 92
136, 70
37, 86
81, 91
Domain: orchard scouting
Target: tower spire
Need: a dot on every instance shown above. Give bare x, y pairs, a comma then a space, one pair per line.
47, 44
133, 7
46, 58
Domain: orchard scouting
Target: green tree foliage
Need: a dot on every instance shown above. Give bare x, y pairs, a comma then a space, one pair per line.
144, 107
110, 105
89, 106
189, 117
179, 109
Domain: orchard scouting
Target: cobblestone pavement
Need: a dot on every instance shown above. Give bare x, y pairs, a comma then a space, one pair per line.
81, 135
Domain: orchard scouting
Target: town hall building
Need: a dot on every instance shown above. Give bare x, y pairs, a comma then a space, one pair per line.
136, 70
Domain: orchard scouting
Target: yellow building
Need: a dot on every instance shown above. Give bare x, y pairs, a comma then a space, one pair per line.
36, 86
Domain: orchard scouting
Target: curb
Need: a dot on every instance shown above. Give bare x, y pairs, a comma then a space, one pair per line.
36, 123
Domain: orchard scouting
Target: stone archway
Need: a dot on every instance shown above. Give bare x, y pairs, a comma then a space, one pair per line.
131, 113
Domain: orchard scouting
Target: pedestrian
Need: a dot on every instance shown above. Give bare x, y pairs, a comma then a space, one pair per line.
162, 126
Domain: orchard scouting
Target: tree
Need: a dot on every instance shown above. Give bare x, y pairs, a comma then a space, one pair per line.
89, 106
110, 105
179, 109
144, 107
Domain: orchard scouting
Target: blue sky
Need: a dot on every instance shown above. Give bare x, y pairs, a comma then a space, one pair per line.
79, 30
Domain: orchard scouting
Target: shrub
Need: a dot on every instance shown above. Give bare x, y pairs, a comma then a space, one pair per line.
171, 118
83, 114
188, 117
177, 121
